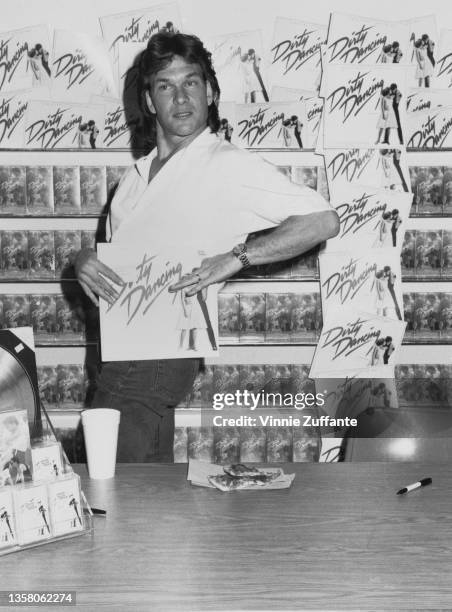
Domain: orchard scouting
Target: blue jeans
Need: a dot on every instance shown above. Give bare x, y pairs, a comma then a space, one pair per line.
145, 392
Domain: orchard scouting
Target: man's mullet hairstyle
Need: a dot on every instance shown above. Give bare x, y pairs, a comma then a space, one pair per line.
160, 51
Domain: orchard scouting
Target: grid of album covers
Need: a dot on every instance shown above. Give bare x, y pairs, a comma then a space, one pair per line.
57, 190
80, 91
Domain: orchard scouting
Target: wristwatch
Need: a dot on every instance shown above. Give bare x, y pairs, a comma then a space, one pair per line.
240, 251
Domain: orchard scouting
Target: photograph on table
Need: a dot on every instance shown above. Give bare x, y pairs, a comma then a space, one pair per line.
253, 442
278, 317
139, 25
428, 254
273, 125
377, 168
356, 40
427, 185
443, 66
81, 67
67, 245
93, 189
369, 218
226, 445
408, 255
15, 446
356, 342
13, 196
368, 281
39, 185
41, 251
47, 382
66, 190
14, 255
423, 39
28, 50
13, 105
294, 56
82, 125
238, 63
252, 318
16, 311
364, 106
430, 129
305, 318
43, 317
32, 513
228, 316
8, 535
176, 324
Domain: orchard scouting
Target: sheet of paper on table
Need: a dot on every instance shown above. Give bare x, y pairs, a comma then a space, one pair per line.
199, 472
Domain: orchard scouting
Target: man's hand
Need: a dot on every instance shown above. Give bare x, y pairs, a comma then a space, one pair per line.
93, 276
212, 270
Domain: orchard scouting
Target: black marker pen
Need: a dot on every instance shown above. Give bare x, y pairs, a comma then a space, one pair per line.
415, 485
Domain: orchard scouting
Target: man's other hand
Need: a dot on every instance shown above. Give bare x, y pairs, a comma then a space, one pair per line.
212, 270
94, 277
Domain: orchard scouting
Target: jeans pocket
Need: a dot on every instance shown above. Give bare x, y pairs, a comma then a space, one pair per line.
175, 378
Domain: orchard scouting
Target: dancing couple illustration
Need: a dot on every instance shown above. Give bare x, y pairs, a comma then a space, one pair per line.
194, 317
385, 298
387, 229
391, 54
87, 135
389, 118
291, 132
38, 62
425, 61
381, 351
252, 84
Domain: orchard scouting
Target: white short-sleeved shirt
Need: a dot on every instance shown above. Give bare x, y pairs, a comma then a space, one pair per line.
209, 195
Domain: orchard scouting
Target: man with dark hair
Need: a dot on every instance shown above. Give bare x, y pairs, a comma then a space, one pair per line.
171, 197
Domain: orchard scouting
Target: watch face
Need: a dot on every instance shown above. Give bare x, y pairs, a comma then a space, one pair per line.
239, 249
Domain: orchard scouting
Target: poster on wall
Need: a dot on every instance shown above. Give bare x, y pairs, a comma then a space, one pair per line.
25, 58
13, 106
353, 39
424, 99
294, 57
376, 168
370, 219
139, 25
430, 129
58, 125
369, 280
313, 109
356, 342
273, 125
81, 67
174, 325
121, 127
364, 105
238, 62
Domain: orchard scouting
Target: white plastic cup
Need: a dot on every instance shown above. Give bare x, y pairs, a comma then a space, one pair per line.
100, 429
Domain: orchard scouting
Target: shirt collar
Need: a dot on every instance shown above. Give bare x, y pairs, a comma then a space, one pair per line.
143, 164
